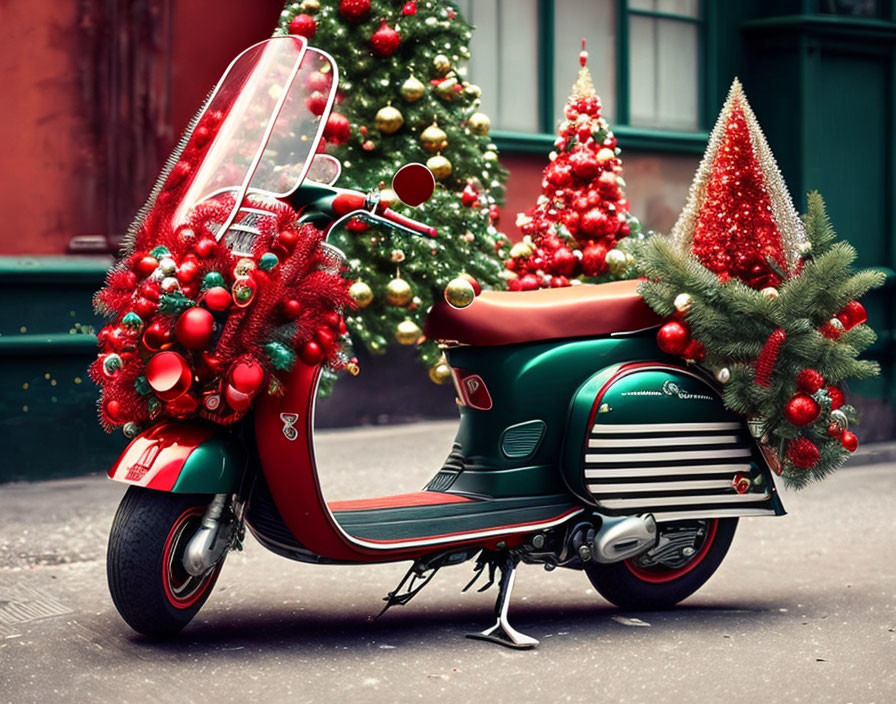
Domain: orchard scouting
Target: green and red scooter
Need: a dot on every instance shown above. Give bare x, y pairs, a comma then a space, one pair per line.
579, 446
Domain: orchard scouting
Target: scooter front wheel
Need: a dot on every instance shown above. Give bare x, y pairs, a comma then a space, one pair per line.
149, 585
688, 554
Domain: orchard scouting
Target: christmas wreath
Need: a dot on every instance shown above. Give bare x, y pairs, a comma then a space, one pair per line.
764, 301
197, 330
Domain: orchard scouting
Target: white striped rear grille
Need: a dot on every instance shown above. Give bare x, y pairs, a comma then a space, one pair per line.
677, 470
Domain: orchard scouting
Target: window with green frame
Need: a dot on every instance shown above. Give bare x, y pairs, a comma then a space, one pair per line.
645, 57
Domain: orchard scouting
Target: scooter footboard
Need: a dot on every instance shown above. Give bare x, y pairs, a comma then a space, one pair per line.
181, 458
650, 437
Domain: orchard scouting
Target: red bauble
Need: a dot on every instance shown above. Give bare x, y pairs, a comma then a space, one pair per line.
594, 259
288, 240
187, 271
852, 314
146, 265
469, 196
836, 396
529, 282
477, 288
673, 337
316, 102
559, 282
156, 335
205, 247
809, 381
145, 308
849, 440
354, 10
112, 409
563, 262
292, 309
338, 129
385, 41
319, 81
410, 8
218, 298
594, 222
246, 376
802, 410
803, 453
169, 375
695, 350
311, 353
195, 328
584, 164
303, 25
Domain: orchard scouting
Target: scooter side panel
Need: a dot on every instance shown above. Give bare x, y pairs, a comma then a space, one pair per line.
180, 458
530, 382
654, 437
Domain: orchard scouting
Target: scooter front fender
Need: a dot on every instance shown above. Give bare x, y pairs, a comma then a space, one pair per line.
182, 458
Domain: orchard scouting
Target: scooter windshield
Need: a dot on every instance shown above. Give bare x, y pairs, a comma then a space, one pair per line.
262, 125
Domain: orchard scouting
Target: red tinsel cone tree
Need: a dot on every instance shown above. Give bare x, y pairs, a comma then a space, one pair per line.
739, 220
764, 302
572, 232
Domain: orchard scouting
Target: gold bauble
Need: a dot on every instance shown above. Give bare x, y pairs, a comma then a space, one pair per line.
723, 376
616, 262
604, 155
441, 63
440, 167
490, 156
521, 250
407, 332
683, 302
433, 138
440, 374
479, 123
459, 293
412, 89
398, 292
361, 294
389, 119
473, 91
310, 5
770, 292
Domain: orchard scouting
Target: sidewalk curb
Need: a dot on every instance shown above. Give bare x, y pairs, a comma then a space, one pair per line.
873, 453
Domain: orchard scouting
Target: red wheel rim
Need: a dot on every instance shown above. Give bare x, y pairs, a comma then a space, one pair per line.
181, 588
662, 575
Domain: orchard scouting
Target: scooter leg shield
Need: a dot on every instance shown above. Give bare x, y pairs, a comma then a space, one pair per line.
182, 458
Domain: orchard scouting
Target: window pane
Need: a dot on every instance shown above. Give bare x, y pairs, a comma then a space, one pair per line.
663, 73
677, 90
594, 21
504, 61
686, 8
642, 70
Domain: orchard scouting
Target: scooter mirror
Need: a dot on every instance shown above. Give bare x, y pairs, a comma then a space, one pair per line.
413, 184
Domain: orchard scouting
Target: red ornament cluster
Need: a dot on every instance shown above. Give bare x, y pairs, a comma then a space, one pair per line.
197, 330
735, 234
582, 200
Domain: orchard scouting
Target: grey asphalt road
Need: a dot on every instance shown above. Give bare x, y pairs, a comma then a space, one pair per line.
802, 610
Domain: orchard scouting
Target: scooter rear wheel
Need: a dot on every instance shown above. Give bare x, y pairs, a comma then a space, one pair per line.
149, 585
644, 583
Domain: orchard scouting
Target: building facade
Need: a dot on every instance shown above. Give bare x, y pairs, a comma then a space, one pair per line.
97, 93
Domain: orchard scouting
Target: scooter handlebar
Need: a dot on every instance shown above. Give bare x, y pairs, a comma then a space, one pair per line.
408, 223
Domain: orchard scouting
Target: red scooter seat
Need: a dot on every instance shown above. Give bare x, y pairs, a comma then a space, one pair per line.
511, 317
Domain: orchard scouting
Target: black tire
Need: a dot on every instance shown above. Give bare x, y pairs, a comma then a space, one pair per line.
631, 586
150, 588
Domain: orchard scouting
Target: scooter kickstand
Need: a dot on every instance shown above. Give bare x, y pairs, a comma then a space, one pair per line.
502, 632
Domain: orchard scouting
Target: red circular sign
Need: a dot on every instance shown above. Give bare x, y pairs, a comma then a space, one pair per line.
414, 184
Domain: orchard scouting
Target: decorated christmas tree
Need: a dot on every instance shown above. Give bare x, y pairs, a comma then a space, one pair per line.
403, 98
764, 301
573, 232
